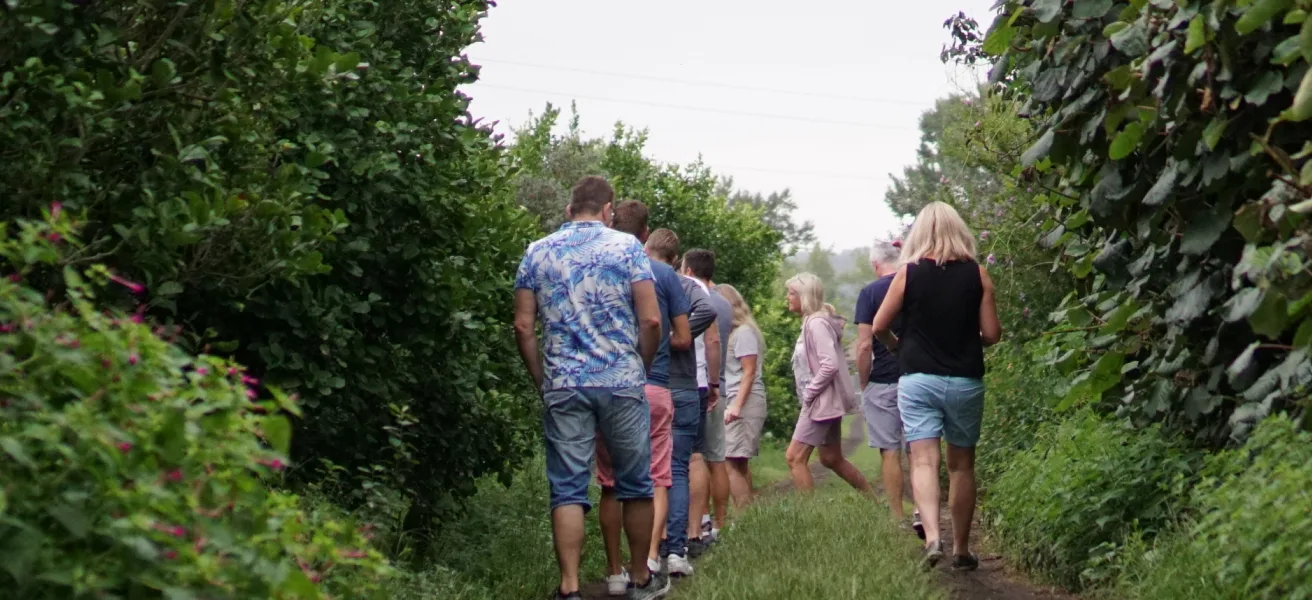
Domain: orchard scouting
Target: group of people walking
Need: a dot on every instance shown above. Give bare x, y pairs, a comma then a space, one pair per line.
653, 372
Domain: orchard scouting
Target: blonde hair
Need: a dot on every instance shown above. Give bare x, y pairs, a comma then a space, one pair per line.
811, 291
939, 232
741, 311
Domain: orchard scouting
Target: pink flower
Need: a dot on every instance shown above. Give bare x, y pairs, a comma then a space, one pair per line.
133, 359
124, 446
170, 554
134, 287
175, 475
55, 209
15, 277
943, 179
232, 371
250, 393
1027, 311
990, 259
6, 327
54, 237
353, 553
248, 380
967, 102
173, 530
977, 123
273, 463
202, 371
983, 235
998, 213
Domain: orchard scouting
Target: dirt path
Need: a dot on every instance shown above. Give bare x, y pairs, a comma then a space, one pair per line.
992, 581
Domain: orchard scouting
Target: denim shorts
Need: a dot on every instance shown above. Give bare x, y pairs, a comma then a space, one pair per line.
937, 406
572, 417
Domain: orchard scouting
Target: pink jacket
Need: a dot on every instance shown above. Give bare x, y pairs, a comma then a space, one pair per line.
830, 394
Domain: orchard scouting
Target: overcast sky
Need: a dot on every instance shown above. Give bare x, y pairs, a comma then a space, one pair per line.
708, 77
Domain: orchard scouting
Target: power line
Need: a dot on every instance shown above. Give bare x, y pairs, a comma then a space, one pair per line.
733, 113
703, 82
822, 174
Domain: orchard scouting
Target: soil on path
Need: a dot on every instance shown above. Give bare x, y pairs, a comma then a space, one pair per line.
994, 580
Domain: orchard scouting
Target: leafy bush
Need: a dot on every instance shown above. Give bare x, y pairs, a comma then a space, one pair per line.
1062, 505
780, 329
1174, 138
132, 468
1015, 407
301, 187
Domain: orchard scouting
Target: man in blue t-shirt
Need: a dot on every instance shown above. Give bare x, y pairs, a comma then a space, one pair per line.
878, 372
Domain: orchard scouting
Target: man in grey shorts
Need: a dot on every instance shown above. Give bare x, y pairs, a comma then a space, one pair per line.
708, 474
878, 371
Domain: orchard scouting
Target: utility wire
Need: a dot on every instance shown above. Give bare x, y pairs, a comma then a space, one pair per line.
733, 113
702, 82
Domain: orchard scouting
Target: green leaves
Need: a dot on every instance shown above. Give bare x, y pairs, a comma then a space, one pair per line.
1047, 10
1259, 14
1132, 39
1039, 150
1165, 184
1205, 228
1090, 9
998, 40
1197, 35
1271, 315
1126, 141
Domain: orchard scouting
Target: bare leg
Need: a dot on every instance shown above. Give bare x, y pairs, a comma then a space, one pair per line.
832, 458
611, 516
661, 510
891, 469
699, 495
638, 516
567, 534
961, 496
798, 455
719, 492
924, 485
740, 482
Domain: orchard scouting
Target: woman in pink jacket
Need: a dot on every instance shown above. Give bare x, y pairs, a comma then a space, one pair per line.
824, 386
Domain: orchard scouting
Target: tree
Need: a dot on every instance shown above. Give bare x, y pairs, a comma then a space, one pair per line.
777, 209
819, 264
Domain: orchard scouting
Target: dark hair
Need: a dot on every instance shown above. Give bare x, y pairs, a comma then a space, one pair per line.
630, 217
701, 262
590, 195
664, 244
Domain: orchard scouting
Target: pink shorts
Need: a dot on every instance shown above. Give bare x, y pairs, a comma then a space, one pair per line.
661, 405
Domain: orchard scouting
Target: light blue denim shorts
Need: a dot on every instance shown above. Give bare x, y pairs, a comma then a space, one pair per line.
937, 406
572, 417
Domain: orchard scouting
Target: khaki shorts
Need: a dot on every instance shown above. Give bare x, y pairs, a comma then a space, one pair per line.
742, 438
883, 419
710, 444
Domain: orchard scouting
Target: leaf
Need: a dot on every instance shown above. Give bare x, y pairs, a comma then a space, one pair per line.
14, 449
1259, 14
1106, 372
1242, 304
1039, 150
1241, 364
73, 519
1271, 315
1302, 338
1165, 184
1305, 40
1204, 229
1212, 134
1301, 109
1269, 83
1132, 40
278, 433
1091, 9
1197, 35
999, 40
1126, 141
1248, 222
169, 288
1192, 304
1047, 10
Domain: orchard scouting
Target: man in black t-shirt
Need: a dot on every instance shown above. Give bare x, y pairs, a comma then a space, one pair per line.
878, 372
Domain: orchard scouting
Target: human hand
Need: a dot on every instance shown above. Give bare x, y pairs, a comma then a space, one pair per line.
733, 413
712, 398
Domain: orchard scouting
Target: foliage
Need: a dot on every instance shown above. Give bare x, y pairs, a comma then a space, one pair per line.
780, 329
1064, 504
777, 210
132, 468
301, 187
1251, 531
688, 199
969, 147
1015, 407
1174, 136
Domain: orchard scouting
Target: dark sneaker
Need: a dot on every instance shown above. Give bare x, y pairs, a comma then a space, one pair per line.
933, 553
696, 548
917, 526
656, 587
965, 562
570, 596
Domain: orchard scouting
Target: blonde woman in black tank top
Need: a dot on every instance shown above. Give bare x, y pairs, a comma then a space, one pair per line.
949, 315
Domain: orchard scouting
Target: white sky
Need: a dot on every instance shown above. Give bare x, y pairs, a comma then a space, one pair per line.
859, 73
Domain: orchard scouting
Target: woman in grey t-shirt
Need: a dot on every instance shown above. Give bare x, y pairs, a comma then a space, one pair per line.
744, 390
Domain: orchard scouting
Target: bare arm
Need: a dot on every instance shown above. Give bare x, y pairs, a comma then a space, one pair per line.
702, 314
712, 339
889, 309
749, 379
526, 316
649, 320
990, 329
681, 337
864, 347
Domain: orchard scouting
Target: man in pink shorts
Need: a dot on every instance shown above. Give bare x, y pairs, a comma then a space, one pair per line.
631, 217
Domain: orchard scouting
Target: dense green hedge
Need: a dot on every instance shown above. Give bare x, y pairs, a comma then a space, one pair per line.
130, 468
1174, 137
299, 186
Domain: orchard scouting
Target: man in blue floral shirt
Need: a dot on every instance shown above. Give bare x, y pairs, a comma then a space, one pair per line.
592, 288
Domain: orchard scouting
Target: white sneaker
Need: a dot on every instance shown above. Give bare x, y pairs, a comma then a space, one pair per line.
618, 585
654, 565
678, 566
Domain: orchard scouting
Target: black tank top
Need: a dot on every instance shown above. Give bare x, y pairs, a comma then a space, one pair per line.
940, 312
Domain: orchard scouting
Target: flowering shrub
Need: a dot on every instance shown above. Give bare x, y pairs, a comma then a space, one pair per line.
131, 468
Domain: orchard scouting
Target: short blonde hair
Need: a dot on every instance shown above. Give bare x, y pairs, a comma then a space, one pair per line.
811, 291
741, 311
938, 232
